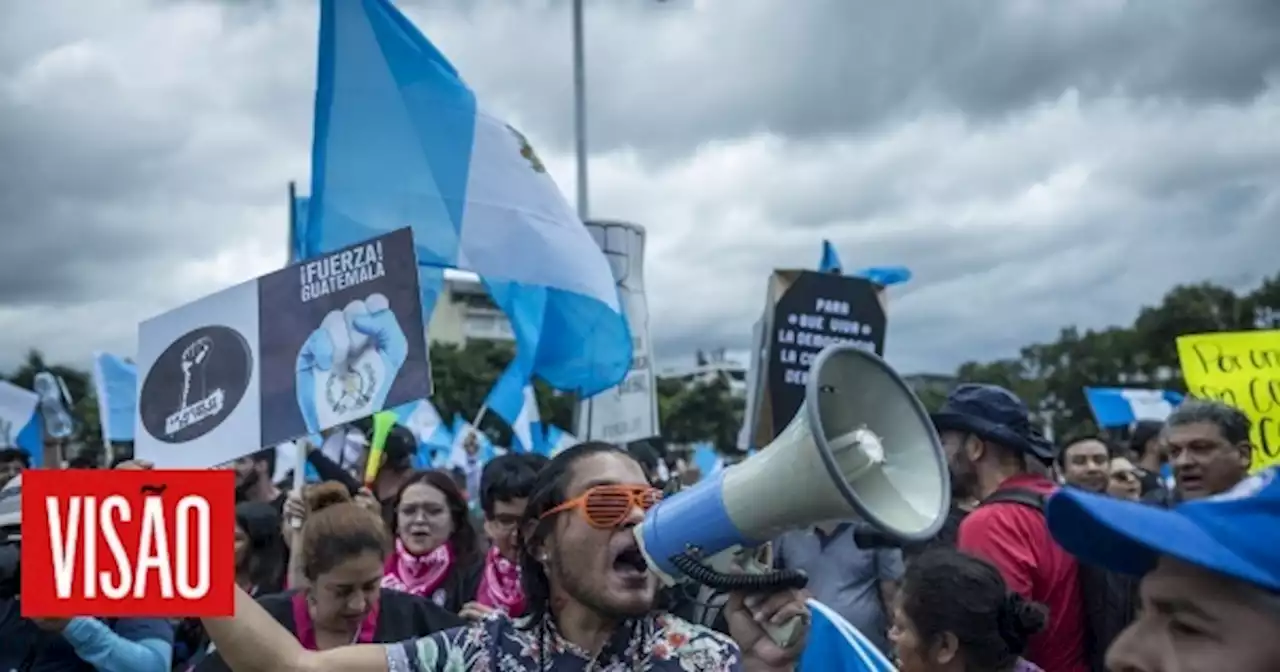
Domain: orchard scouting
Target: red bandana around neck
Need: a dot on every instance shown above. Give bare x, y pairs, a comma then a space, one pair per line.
500, 585
418, 574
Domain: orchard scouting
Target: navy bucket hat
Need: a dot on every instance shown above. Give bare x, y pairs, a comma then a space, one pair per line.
993, 414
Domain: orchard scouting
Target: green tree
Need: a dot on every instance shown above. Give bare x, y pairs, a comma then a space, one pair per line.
88, 432
1051, 377
463, 376
703, 411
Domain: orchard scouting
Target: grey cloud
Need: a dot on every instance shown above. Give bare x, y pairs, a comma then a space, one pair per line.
1060, 166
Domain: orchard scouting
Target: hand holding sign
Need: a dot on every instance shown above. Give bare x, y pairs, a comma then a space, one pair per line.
346, 367
1241, 369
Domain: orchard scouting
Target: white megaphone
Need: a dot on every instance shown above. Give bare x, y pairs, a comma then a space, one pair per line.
861, 447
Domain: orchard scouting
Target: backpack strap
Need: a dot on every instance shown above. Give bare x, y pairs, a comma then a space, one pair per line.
1027, 498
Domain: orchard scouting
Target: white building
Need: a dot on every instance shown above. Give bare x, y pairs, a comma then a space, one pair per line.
707, 367
464, 312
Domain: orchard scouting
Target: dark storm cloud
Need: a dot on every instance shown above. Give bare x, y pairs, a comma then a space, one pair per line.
664, 77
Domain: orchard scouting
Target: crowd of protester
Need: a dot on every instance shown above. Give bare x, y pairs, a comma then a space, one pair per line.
530, 563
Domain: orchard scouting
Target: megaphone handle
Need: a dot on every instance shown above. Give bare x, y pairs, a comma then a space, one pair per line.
787, 633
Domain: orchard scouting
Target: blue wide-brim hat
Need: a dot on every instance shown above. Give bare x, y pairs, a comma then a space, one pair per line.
993, 414
1230, 534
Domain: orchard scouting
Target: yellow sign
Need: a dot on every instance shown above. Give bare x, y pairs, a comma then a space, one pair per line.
1240, 368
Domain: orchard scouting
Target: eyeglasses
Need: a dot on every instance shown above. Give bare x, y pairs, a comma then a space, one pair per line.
1125, 476
607, 506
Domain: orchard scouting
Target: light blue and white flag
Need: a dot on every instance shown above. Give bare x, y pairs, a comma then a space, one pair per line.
434, 436
115, 379
471, 464
556, 440
20, 425
830, 262
400, 140
1122, 406
706, 459
513, 400
834, 644
885, 276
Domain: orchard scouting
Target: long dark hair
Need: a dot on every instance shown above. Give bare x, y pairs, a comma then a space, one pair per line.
466, 547
945, 590
548, 493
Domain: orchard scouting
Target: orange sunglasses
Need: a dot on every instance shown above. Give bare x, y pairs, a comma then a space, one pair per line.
607, 506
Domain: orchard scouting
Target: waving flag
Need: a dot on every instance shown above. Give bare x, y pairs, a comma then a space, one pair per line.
434, 436
400, 140
555, 440
20, 425
830, 259
115, 380
706, 459
1123, 406
834, 644
884, 275
512, 399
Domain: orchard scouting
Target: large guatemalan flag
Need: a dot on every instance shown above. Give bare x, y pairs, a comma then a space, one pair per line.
400, 140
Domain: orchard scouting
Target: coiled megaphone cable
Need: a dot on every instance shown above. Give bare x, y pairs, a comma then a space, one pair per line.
773, 580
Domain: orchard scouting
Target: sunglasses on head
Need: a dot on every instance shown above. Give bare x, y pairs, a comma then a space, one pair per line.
608, 506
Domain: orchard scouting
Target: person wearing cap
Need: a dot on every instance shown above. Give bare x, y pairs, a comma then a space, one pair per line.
1208, 444
1210, 573
396, 469
992, 448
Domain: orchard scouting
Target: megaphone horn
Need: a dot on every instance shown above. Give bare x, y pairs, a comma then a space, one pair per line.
861, 447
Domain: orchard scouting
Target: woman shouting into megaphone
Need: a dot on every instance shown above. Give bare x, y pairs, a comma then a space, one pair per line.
590, 598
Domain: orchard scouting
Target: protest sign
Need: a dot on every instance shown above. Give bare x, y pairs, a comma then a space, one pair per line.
807, 311
1242, 369
315, 345
629, 410
128, 543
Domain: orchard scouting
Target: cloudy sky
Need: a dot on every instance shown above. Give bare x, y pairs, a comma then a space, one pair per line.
1036, 164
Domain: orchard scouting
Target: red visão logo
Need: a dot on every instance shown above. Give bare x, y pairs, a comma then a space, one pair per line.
128, 543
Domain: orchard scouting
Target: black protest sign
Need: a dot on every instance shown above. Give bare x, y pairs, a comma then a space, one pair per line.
342, 337
809, 311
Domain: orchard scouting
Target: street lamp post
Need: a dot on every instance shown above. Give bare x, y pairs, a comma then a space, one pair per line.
580, 110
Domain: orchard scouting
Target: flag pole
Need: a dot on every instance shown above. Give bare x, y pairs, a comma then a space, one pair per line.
302, 446
293, 222
580, 109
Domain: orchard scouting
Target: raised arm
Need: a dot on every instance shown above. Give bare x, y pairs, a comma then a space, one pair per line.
252, 641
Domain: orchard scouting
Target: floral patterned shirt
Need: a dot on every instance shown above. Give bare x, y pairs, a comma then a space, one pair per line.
656, 643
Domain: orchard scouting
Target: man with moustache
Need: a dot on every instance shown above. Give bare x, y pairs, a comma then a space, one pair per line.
991, 446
